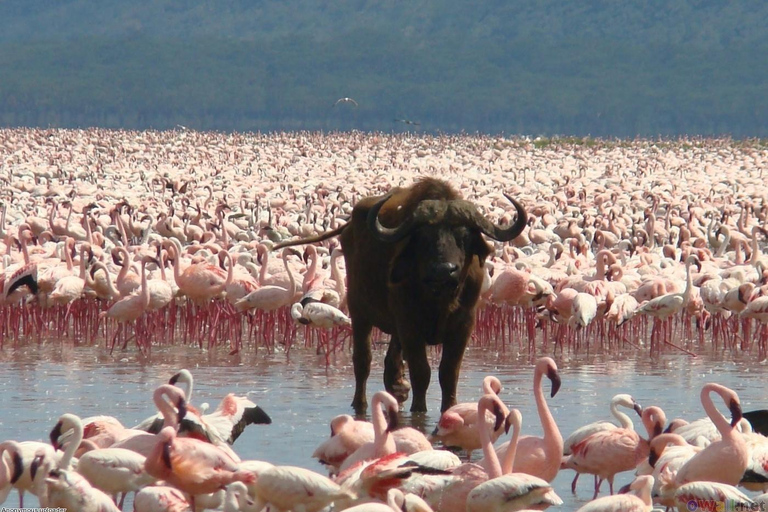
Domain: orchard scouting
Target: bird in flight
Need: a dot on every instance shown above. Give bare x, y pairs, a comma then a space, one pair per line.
345, 100
408, 121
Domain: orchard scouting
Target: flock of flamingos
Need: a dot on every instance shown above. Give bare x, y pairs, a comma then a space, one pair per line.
148, 238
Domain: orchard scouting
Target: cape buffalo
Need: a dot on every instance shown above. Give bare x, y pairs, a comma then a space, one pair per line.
414, 261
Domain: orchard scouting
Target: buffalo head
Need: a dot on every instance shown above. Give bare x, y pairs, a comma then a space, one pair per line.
439, 239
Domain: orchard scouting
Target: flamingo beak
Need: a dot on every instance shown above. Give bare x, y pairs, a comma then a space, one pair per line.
736, 413
174, 379
638, 409
35, 465
18, 468
554, 378
167, 455
653, 457
393, 419
55, 435
500, 419
257, 415
508, 423
182, 408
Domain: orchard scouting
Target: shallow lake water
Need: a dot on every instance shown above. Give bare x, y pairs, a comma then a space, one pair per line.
38, 383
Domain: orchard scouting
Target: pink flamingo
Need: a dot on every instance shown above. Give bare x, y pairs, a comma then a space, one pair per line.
286, 488
347, 435
723, 461
130, 308
383, 442
540, 456
201, 282
608, 452
705, 493
270, 297
668, 452
161, 499
584, 432
510, 491
70, 492
143, 442
191, 465
640, 502
459, 426
449, 493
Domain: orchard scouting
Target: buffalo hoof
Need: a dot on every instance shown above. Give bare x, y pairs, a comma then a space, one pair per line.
401, 390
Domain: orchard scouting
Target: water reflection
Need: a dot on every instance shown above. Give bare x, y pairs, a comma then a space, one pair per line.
39, 383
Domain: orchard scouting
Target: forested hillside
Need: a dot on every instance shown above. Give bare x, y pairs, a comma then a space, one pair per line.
601, 68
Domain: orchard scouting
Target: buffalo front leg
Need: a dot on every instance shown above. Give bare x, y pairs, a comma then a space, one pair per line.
418, 368
450, 363
394, 371
361, 359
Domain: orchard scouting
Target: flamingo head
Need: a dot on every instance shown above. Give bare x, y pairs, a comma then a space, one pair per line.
653, 457
638, 408
736, 414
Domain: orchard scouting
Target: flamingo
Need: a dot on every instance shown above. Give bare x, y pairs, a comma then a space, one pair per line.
161, 499
723, 461
383, 443
510, 491
114, 470
668, 452
191, 465
396, 502
578, 435
270, 297
224, 425
143, 442
285, 488
347, 435
68, 492
201, 282
702, 494
458, 426
448, 493
640, 502
130, 308
540, 456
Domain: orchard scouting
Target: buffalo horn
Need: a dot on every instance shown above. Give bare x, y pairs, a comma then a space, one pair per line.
389, 235
503, 234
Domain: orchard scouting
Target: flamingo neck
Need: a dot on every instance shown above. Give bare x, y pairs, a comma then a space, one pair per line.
144, 287
291, 280
170, 416
381, 438
263, 272
492, 465
552, 434
509, 457
624, 419
311, 271
709, 407
72, 445
230, 274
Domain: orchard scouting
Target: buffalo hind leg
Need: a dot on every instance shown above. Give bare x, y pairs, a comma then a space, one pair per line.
361, 359
394, 371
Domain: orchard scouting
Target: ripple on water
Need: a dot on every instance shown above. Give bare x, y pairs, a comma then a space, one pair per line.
39, 383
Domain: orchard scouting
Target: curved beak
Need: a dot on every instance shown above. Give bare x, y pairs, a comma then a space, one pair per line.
554, 378
736, 414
